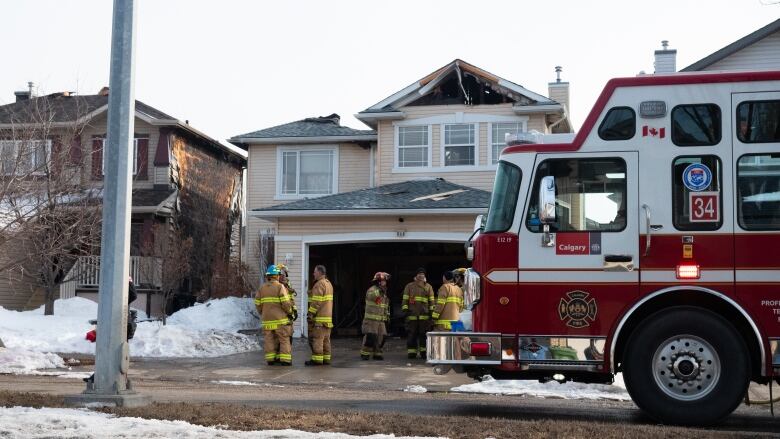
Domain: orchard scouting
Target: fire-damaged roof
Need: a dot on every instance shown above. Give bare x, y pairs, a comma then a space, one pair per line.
436, 195
312, 129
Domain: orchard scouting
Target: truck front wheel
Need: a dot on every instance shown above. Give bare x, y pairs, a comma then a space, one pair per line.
686, 365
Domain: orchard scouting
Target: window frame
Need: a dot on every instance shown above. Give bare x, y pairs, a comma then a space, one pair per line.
736, 190
443, 146
135, 156
604, 120
47, 144
693, 227
280, 150
490, 141
534, 191
672, 130
736, 121
397, 147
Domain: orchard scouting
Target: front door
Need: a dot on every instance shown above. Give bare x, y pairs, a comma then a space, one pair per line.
578, 282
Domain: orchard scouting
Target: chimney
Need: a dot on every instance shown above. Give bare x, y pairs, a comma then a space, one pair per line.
559, 90
27, 94
665, 59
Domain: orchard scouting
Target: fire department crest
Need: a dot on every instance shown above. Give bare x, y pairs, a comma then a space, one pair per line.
579, 310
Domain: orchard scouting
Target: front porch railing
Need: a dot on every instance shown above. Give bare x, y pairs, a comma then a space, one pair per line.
146, 272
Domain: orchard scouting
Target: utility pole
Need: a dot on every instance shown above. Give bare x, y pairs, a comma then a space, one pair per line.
111, 358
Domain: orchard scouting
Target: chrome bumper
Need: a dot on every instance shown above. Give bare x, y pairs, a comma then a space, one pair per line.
455, 348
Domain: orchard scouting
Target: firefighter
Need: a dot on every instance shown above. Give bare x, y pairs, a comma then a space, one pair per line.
273, 304
417, 304
320, 318
459, 277
449, 304
374, 319
284, 279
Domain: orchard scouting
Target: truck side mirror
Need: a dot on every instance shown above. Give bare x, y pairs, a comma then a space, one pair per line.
547, 200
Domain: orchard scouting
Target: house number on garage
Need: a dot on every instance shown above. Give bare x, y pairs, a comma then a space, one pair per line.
400, 233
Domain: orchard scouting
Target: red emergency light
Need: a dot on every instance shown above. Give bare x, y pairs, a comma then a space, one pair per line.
688, 270
481, 349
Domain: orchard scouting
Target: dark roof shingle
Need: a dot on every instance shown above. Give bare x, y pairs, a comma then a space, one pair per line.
327, 126
414, 194
59, 107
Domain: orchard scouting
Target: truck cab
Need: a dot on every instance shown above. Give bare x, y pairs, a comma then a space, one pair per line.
646, 246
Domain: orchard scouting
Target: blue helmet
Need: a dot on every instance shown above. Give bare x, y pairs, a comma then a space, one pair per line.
273, 270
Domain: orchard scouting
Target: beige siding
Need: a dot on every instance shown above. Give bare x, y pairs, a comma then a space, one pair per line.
261, 177
162, 175
481, 179
354, 167
762, 55
16, 290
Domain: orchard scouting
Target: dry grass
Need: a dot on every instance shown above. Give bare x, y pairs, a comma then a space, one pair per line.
238, 417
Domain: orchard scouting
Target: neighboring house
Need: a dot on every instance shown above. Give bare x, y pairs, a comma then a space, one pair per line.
401, 196
758, 51
185, 184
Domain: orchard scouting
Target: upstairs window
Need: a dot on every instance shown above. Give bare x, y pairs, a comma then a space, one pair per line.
413, 146
307, 172
758, 191
696, 125
499, 131
758, 122
618, 124
24, 157
135, 157
459, 145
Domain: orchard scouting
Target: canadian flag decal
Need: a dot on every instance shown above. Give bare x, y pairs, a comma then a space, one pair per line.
653, 132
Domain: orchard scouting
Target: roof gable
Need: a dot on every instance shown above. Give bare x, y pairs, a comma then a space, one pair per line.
734, 47
476, 85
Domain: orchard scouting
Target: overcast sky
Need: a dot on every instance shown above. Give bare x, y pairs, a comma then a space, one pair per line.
232, 66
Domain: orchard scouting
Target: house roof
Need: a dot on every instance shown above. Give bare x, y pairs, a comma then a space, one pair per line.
63, 108
309, 130
421, 196
389, 107
734, 47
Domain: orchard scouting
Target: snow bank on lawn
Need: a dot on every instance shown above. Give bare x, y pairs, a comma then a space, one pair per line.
228, 314
17, 361
550, 389
207, 330
48, 422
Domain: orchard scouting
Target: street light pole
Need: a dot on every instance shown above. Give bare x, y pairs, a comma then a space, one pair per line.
111, 357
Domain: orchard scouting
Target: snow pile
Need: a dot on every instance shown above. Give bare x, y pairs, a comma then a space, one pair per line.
415, 389
206, 330
16, 361
82, 423
229, 314
550, 389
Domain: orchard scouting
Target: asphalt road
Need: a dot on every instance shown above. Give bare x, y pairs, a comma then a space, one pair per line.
354, 385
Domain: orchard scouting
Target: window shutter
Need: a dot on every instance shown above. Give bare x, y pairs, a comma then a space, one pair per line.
143, 159
74, 154
55, 158
97, 158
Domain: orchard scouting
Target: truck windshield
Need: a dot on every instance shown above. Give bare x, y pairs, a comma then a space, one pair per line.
504, 200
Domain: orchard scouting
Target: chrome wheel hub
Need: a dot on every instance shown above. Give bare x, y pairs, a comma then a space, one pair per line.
686, 367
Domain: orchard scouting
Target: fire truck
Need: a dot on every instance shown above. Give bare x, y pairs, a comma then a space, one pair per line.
647, 245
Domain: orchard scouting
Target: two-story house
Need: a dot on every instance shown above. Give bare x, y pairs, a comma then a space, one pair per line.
185, 184
403, 195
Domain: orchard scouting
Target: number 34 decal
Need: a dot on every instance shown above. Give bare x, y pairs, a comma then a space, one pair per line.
704, 207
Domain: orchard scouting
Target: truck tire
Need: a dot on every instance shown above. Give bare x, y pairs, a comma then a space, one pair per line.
686, 365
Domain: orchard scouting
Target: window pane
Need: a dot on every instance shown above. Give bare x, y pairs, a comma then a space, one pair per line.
504, 198
462, 134
412, 157
39, 155
758, 192
7, 156
590, 195
289, 173
758, 121
316, 172
696, 125
500, 131
458, 155
618, 124
697, 179
413, 136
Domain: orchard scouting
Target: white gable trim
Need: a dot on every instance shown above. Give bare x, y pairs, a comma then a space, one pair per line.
460, 117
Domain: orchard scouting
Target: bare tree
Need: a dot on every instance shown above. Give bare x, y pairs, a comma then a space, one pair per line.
49, 210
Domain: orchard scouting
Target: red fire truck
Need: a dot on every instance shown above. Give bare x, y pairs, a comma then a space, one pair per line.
648, 245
